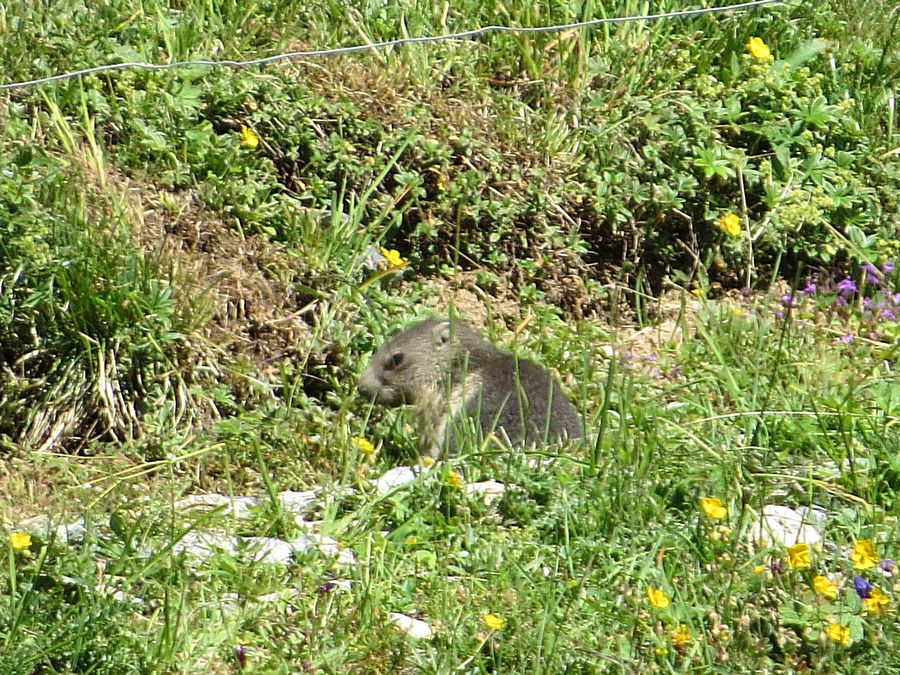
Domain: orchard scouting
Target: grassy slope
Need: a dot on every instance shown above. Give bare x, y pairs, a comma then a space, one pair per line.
183, 313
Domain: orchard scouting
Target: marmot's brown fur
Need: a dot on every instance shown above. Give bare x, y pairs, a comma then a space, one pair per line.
448, 372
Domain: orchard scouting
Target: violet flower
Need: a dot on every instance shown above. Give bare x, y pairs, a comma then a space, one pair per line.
863, 587
846, 287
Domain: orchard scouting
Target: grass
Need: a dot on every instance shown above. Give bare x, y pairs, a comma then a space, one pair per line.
669, 223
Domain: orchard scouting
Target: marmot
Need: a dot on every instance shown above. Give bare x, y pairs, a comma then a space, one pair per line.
448, 372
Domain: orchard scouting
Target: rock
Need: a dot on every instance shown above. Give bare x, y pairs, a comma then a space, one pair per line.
325, 545
42, 526
239, 507
783, 525
489, 490
204, 545
396, 477
298, 503
413, 627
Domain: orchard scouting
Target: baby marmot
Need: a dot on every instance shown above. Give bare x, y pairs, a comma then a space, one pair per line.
448, 373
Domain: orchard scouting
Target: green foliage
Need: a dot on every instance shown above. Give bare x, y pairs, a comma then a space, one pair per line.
58, 618
89, 324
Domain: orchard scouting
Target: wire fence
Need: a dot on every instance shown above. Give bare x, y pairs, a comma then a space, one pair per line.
387, 44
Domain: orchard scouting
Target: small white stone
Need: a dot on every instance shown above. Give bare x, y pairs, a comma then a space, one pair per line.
394, 478
489, 490
203, 545
412, 627
782, 525
815, 514
270, 550
42, 526
285, 594
323, 544
298, 502
239, 507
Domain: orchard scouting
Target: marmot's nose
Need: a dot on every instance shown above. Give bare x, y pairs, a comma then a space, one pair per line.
369, 383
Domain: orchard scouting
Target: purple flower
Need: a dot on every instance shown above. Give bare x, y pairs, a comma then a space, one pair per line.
776, 567
888, 267
676, 371
788, 300
810, 287
887, 314
847, 339
846, 287
867, 303
871, 272
240, 653
887, 566
863, 587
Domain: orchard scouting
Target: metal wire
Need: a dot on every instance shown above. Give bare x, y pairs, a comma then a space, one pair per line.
352, 49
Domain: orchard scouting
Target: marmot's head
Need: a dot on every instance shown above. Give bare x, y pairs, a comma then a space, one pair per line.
415, 363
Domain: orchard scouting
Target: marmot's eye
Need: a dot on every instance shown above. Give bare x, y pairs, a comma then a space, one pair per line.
395, 360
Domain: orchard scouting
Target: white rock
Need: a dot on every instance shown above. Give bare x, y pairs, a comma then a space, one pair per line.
203, 545
489, 490
71, 532
782, 525
815, 514
323, 544
42, 526
239, 507
285, 594
395, 477
269, 549
412, 627
298, 503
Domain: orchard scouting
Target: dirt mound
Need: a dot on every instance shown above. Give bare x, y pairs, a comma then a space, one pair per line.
255, 311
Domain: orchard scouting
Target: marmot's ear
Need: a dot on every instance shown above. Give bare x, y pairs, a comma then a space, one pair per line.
442, 332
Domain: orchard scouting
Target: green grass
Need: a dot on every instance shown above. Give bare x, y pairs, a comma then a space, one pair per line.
181, 313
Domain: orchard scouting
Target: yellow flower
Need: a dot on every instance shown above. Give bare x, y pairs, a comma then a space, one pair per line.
493, 622
759, 569
697, 292
392, 259
824, 587
454, 480
426, 462
713, 507
758, 49
20, 541
657, 598
863, 555
799, 556
877, 601
838, 633
680, 635
249, 139
364, 445
729, 223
